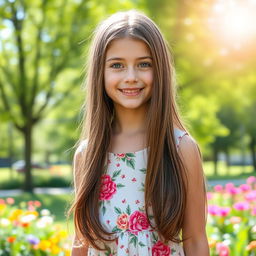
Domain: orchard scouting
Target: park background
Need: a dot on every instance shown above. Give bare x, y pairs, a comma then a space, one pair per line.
43, 49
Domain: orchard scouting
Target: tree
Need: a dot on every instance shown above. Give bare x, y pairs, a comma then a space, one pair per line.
33, 56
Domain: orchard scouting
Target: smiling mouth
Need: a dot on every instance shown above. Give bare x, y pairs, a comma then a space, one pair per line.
131, 92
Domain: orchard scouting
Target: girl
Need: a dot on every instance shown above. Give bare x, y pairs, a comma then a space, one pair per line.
138, 176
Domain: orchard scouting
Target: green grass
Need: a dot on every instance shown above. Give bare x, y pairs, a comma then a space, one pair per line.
234, 172
56, 176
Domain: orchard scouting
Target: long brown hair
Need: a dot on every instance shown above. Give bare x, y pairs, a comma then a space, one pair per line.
165, 184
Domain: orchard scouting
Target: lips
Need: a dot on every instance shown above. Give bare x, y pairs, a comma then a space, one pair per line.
131, 91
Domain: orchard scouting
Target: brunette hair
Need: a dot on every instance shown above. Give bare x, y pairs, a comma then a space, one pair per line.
165, 184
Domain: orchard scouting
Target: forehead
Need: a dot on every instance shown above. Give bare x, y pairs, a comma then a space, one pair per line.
127, 47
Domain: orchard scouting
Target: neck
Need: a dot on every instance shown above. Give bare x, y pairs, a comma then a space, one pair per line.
129, 121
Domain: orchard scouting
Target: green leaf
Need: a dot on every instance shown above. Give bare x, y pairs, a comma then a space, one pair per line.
119, 185
131, 163
116, 173
128, 210
130, 155
118, 210
143, 170
141, 244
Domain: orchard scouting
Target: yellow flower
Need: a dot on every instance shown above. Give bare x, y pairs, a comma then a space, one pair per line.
63, 234
44, 245
15, 214
2, 207
211, 242
55, 249
32, 212
54, 240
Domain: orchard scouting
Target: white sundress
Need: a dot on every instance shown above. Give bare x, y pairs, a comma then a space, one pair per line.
122, 208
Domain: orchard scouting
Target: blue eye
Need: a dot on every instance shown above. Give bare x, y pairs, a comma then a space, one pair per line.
145, 64
116, 65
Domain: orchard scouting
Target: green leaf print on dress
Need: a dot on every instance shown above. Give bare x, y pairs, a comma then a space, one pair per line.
128, 158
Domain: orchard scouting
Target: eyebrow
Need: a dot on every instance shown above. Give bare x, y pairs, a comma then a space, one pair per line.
140, 58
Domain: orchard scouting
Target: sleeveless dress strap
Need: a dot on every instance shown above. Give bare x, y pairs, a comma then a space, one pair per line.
178, 134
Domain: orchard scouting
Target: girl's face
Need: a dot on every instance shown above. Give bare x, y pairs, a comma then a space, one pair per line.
128, 74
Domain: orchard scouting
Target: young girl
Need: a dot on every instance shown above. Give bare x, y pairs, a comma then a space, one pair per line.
139, 183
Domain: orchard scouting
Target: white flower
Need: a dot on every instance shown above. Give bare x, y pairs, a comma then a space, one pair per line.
28, 218
45, 212
4, 222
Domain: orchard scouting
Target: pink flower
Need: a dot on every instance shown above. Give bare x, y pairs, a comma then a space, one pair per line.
251, 196
209, 195
2, 201
121, 155
241, 206
10, 200
250, 180
222, 249
224, 211
123, 221
218, 188
160, 249
233, 190
213, 210
254, 211
108, 188
138, 221
245, 187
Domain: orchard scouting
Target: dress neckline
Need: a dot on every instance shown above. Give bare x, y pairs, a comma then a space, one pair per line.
125, 153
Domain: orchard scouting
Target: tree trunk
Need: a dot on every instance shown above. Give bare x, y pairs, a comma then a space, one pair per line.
227, 156
253, 152
215, 160
28, 182
10, 145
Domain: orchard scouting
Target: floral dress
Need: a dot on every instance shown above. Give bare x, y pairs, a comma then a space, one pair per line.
122, 208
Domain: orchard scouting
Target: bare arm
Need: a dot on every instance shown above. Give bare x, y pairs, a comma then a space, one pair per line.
78, 249
195, 213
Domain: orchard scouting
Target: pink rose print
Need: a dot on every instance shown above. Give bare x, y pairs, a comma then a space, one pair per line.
108, 188
123, 221
160, 249
138, 221
121, 155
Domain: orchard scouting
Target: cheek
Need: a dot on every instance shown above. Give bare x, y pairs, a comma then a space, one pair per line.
148, 78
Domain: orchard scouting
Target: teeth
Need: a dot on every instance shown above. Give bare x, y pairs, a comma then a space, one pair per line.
131, 91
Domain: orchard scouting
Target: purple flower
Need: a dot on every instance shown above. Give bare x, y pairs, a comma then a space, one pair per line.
32, 239
241, 206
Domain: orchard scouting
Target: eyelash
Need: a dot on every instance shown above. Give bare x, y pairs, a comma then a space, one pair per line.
142, 65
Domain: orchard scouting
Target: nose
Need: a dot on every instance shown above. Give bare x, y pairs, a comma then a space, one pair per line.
131, 76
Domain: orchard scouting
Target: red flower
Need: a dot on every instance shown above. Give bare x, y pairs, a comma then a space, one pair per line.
160, 249
121, 155
134, 179
123, 221
11, 239
108, 188
138, 221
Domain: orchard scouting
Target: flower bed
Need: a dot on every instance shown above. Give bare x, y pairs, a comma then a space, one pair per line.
231, 224
25, 231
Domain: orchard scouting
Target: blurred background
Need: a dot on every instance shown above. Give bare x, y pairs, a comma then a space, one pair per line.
43, 48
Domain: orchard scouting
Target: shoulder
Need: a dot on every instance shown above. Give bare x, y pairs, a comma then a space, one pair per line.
190, 154
81, 146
